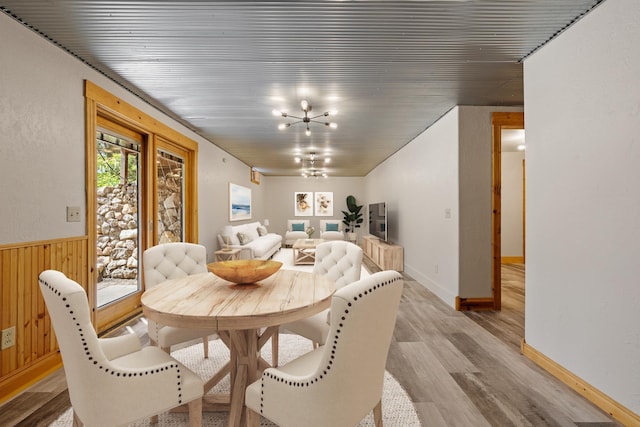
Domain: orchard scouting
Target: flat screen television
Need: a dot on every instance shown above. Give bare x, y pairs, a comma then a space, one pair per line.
378, 220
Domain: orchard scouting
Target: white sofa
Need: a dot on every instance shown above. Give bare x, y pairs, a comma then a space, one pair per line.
290, 236
331, 234
262, 247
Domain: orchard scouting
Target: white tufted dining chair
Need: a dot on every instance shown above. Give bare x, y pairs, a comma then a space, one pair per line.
171, 261
113, 381
339, 383
341, 261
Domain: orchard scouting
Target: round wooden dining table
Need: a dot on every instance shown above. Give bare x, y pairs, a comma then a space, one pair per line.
245, 316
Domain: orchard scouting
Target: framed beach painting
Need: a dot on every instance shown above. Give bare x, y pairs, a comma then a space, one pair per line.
324, 203
303, 203
239, 202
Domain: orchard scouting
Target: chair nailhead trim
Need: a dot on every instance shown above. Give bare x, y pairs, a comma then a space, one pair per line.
269, 375
111, 371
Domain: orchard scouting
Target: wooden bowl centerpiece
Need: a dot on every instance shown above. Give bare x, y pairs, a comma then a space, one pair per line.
244, 271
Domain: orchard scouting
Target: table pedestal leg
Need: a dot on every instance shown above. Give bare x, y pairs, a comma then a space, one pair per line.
244, 345
244, 367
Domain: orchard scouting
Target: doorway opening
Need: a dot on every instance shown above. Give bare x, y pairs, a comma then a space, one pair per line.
505, 126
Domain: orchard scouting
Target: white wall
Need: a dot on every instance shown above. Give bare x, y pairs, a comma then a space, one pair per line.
582, 109
42, 144
511, 204
445, 168
418, 184
42, 137
280, 196
216, 169
475, 194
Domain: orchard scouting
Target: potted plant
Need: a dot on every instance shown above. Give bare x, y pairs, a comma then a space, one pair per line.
352, 218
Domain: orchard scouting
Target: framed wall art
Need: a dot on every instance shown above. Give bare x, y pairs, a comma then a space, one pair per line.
324, 203
303, 203
239, 202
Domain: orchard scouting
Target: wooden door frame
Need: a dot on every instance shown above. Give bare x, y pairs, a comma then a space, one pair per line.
524, 210
499, 121
99, 101
190, 182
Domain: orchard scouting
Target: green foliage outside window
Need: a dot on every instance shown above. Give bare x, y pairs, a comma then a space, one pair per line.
108, 166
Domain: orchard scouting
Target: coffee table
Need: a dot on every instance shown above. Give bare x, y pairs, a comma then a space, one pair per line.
304, 251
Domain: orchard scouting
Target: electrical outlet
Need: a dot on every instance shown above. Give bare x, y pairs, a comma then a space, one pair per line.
8, 337
73, 214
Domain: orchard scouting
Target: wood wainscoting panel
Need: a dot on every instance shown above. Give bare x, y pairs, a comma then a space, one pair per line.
22, 306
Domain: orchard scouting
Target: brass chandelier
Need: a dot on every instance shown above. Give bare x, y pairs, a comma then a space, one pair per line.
306, 119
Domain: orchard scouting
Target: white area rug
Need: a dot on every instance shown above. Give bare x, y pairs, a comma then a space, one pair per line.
285, 256
397, 409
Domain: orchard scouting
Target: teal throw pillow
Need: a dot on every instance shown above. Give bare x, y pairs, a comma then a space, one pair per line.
332, 227
297, 227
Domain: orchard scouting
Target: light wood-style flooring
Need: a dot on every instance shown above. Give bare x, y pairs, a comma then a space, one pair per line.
506, 324
460, 369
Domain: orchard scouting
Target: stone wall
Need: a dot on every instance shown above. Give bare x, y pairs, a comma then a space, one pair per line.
117, 243
169, 210
117, 222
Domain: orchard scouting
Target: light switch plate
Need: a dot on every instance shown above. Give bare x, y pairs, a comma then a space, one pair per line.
73, 214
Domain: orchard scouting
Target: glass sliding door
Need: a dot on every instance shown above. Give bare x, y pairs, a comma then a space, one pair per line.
118, 223
141, 191
173, 186
170, 194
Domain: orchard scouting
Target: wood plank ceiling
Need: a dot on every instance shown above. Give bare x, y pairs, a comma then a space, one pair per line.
390, 68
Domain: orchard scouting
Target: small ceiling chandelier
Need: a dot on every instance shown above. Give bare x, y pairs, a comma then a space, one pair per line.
306, 108
315, 173
311, 169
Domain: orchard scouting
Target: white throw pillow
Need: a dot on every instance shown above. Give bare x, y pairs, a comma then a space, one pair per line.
251, 230
244, 238
233, 238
